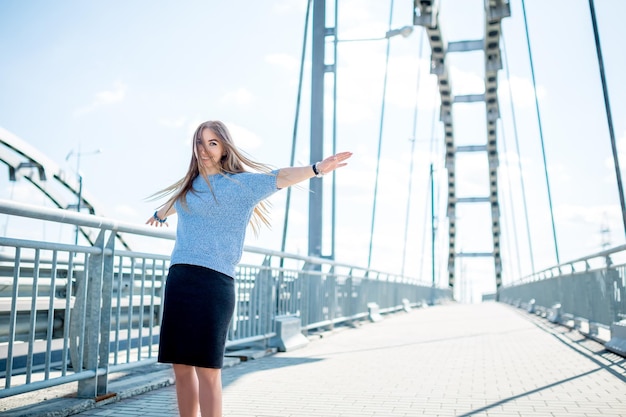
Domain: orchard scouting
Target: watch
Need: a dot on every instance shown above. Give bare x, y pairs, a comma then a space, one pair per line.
316, 171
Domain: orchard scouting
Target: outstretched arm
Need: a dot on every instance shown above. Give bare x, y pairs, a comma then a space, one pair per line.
293, 175
160, 216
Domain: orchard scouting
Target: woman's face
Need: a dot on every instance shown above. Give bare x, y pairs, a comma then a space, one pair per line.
209, 151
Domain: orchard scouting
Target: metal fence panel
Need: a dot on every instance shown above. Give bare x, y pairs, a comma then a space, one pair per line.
595, 294
79, 313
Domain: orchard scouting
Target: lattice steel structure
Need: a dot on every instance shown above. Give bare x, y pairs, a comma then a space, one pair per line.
426, 14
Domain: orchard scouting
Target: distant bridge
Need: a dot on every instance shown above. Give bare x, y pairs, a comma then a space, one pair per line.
63, 190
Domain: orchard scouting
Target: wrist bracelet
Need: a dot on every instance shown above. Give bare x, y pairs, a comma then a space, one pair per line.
158, 219
316, 171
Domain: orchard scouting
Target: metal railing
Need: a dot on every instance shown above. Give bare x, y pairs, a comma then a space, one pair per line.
80, 313
588, 293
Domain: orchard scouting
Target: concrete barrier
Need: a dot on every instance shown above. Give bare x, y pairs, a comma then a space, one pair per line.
617, 344
580, 324
373, 311
554, 313
288, 334
599, 332
568, 320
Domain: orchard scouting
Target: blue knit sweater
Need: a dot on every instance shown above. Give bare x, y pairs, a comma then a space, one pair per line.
211, 230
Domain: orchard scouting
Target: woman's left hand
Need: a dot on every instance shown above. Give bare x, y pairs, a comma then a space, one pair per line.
333, 162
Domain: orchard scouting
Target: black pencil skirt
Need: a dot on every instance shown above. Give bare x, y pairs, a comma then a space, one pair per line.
197, 309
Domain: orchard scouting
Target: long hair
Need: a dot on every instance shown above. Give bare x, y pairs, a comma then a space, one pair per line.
234, 161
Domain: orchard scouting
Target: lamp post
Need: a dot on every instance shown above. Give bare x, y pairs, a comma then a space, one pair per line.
404, 31
318, 71
78, 155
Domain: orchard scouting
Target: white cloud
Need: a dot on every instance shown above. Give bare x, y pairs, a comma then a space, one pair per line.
172, 123
125, 211
360, 77
288, 6
284, 61
360, 20
593, 215
240, 96
466, 82
522, 90
244, 139
111, 96
401, 85
104, 98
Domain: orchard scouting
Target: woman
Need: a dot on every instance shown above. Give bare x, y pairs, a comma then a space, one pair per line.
215, 202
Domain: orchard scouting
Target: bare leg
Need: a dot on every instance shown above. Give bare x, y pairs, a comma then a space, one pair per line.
210, 391
186, 390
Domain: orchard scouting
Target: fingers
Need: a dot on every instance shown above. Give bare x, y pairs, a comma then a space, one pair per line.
335, 161
152, 222
341, 156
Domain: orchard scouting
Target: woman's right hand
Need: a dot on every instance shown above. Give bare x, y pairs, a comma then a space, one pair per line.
157, 221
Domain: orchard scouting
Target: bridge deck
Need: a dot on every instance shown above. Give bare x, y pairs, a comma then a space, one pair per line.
456, 360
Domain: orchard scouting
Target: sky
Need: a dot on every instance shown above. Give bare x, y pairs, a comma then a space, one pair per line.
134, 79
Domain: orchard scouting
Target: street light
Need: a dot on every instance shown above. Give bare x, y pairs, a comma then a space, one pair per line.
316, 111
319, 69
78, 155
404, 31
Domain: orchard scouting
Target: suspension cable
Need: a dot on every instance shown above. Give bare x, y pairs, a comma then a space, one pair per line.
519, 160
543, 150
511, 203
380, 140
413, 139
295, 127
429, 194
607, 107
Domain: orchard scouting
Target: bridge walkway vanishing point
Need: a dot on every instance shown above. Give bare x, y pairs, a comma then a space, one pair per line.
487, 359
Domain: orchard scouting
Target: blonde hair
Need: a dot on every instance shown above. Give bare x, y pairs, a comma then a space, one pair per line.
234, 161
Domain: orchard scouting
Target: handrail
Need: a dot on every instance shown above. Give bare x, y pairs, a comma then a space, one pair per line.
606, 254
89, 220
80, 219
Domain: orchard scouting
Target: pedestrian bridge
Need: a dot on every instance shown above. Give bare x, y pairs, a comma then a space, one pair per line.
81, 321
488, 359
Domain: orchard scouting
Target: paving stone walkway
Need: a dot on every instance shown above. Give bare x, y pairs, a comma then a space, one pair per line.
485, 359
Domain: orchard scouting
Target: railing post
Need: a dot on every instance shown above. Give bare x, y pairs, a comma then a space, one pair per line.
332, 296
106, 312
89, 388
304, 280
349, 305
265, 286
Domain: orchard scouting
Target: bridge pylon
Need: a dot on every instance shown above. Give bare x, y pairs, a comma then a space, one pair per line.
426, 14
